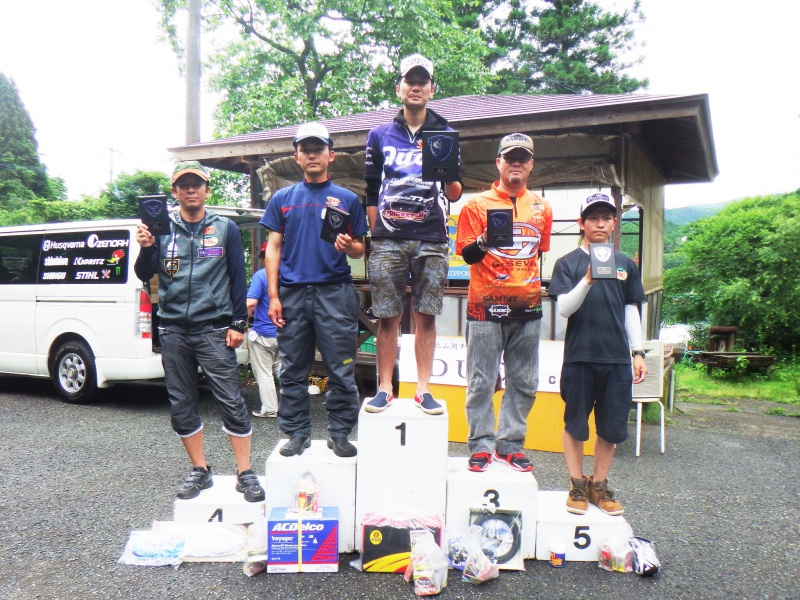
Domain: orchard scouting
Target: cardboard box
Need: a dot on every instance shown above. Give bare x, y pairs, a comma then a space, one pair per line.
303, 543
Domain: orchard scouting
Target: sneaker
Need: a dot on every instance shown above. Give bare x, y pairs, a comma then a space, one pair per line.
428, 404
577, 503
265, 414
247, 483
379, 403
479, 462
603, 498
198, 480
516, 460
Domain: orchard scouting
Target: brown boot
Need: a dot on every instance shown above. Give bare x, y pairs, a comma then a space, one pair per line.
603, 498
576, 499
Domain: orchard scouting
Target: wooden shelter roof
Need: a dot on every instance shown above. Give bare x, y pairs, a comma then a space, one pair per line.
675, 130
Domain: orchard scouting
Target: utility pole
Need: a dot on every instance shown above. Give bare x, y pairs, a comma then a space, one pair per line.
193, 74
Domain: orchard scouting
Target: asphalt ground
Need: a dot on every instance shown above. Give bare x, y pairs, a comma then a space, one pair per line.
722, 506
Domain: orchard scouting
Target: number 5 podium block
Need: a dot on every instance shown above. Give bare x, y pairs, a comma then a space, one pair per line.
402, 462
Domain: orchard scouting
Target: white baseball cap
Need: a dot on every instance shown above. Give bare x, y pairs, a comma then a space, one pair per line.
313, 130
416, 61
597, 199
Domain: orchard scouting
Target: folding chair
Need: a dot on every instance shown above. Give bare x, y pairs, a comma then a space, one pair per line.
651, 389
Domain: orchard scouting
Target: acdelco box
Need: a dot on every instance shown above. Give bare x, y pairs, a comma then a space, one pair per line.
303, 543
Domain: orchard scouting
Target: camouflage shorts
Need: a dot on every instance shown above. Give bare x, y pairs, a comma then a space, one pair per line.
390, 264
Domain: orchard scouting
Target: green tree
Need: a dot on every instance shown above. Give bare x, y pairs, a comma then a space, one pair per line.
741, 269
22, 176
557, 46
326, 58
121, 196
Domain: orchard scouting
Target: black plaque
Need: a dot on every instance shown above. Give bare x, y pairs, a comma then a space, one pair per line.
440, 156
334, 222
602, 258
500, 227
154, 213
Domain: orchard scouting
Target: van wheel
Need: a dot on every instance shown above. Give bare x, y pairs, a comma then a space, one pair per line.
74, 373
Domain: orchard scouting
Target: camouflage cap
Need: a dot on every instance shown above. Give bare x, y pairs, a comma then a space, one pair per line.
189, 167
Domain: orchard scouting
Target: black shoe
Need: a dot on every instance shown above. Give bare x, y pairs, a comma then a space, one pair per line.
199, 479
295, 445
247, 482
341, 446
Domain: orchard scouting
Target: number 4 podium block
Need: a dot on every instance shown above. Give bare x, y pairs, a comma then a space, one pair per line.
402, 462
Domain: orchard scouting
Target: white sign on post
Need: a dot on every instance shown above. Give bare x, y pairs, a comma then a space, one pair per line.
450, 362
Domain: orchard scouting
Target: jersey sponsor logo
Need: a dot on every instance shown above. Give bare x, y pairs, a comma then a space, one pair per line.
499, 310
210, 230
526, 243
210, 241
333, 201
402, 158
172, 266
622, 274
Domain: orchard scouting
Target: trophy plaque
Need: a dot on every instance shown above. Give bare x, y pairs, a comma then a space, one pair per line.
602, 258
500, 227
440, 155
334, 222
154, 213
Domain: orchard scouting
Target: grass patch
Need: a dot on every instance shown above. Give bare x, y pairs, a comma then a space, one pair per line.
693, 384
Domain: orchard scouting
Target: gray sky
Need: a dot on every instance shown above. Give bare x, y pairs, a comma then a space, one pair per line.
105, 93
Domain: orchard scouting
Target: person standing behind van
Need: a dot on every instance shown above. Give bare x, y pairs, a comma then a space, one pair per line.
263, 342
202, 319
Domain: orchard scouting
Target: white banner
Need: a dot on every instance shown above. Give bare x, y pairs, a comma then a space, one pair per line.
450, 362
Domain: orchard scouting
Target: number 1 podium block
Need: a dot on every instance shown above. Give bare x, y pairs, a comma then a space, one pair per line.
497, 487
402, 462
335, 476
581, 535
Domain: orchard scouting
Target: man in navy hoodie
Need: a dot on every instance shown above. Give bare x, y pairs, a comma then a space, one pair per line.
407, 217
202, 318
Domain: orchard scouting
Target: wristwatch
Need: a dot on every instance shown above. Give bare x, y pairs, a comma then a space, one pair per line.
481, 246
638, 353
239, 325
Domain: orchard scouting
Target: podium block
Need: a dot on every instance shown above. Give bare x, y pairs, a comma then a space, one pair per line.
497, 487
222, 503
402, 462
335, 476
581, 535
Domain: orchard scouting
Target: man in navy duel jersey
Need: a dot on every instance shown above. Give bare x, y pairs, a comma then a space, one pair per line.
312, 299
407, 218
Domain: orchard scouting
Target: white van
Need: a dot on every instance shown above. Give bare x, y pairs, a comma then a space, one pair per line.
72, 309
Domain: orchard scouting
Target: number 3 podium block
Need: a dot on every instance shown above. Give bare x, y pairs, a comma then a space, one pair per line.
580, 535
335, 476
497, 487
402, 462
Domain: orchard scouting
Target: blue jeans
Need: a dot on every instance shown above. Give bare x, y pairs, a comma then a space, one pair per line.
181, 354
487, 341
325, 315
